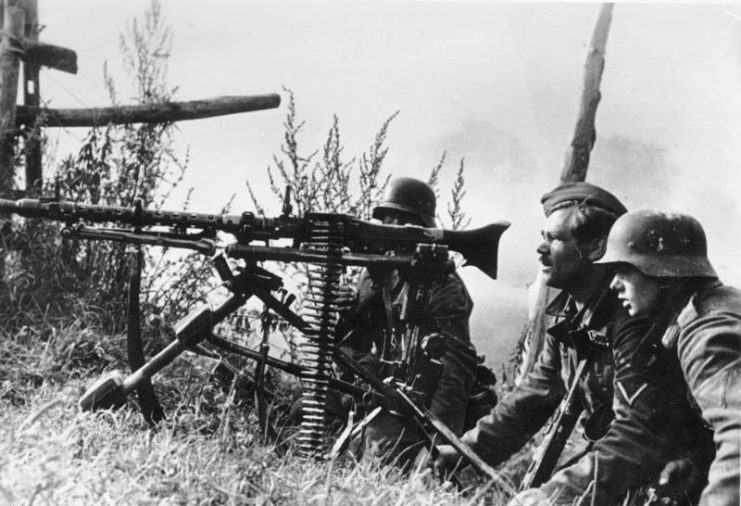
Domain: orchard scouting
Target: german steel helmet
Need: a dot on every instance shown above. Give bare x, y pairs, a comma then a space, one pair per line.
409, 195
659, 244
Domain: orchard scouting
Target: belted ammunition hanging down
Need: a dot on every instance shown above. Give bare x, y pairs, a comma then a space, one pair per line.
320, 313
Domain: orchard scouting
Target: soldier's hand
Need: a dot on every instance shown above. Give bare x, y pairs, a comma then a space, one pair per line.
679, 477
530, 497
423, 459
346, 298
448, 460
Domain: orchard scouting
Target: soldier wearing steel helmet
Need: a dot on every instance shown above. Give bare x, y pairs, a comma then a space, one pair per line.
371, 315
662, 271
588, 326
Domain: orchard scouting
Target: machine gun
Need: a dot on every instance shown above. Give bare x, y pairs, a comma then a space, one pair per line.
314, 235
326, 242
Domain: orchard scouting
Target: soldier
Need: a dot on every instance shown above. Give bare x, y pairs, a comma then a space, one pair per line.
587, 320
663, 271
583, 317
367, 325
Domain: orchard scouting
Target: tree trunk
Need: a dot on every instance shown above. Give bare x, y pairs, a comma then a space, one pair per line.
575, 167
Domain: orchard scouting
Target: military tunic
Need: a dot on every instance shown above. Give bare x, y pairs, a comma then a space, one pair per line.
572, 336
447, 312
654, 424
707, 340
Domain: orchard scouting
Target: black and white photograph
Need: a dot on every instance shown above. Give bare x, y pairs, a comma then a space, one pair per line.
370, 252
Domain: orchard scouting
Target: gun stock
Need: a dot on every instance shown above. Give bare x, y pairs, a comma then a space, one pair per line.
479, 247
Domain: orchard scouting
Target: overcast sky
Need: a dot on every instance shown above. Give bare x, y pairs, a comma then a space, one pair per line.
496, 83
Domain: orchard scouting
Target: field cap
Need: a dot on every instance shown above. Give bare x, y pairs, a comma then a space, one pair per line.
583, 194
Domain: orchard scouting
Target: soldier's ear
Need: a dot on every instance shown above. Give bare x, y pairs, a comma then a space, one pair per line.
597, 248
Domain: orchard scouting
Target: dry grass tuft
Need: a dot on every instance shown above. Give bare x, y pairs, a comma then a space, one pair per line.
208, 451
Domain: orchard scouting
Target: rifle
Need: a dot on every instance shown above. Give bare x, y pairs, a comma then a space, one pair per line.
398, 394
552, 445
327, 242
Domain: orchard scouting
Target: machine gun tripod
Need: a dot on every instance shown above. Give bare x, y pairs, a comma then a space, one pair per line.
191, 332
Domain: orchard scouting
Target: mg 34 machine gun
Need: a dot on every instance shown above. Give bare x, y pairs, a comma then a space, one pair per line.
326, 242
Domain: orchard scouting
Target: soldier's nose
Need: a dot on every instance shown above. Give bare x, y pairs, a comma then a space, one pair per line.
615, 284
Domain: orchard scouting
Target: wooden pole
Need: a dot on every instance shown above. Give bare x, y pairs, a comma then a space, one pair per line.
576, 163
150, 113
10, 52
31, 97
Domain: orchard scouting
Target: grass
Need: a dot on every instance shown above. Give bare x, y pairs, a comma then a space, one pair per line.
208, 451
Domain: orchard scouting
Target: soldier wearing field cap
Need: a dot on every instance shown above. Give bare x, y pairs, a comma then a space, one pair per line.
662, 271
581, 322
588, 329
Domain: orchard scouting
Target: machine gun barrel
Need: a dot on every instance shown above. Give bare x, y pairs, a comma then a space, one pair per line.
67, 211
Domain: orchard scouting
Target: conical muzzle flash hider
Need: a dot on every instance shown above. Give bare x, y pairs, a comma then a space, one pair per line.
479, 247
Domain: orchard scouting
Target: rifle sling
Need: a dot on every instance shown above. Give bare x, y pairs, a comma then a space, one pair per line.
553, 444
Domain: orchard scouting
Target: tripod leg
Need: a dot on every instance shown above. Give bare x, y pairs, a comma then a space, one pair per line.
268, 431
150, 406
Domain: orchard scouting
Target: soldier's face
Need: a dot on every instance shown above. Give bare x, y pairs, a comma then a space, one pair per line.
563, 262
638, 292
394, 217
